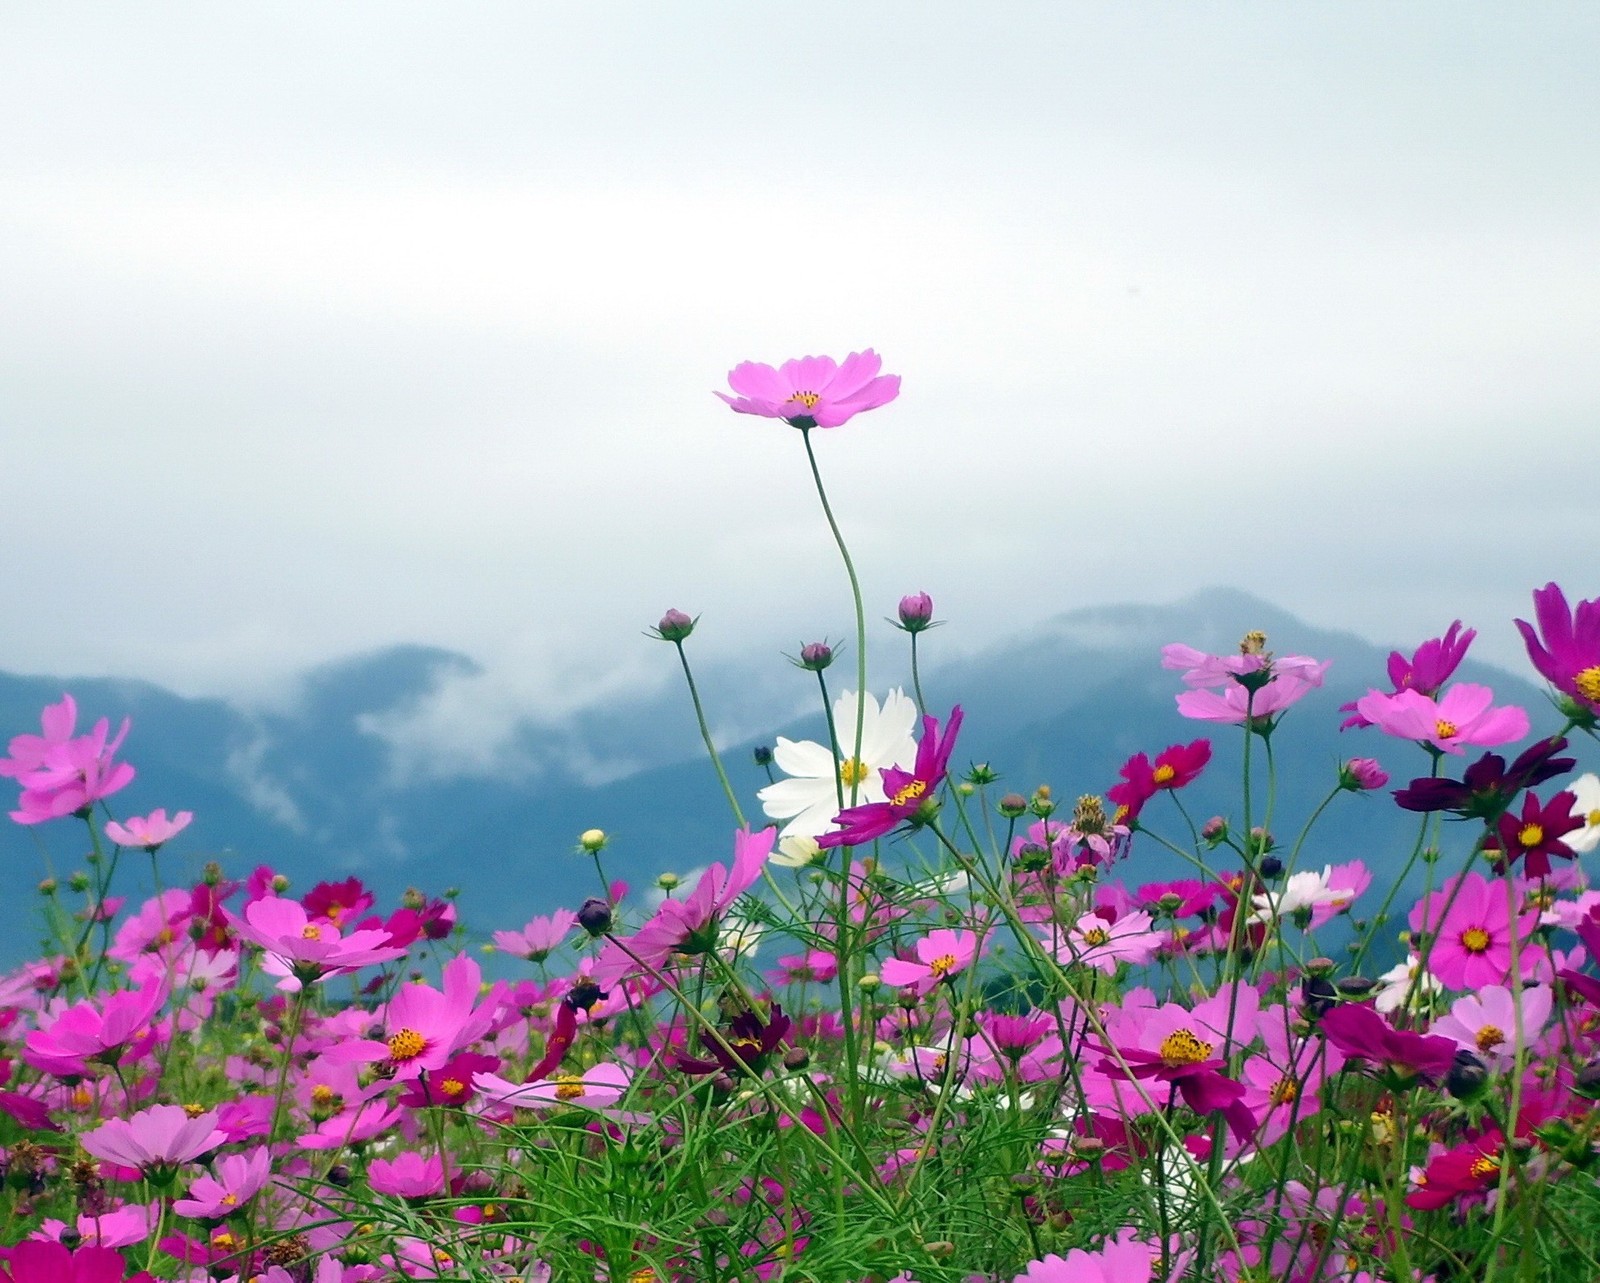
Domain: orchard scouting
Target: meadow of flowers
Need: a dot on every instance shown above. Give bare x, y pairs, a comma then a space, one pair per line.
912, 1024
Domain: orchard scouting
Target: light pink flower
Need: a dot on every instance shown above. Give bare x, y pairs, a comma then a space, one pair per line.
1098, 942
61, 774
812, 391
407, 1175
1461, 716
941, 954
70, 1039
1233, 703
1127, 1258
596, 1088
149, 831
155, 1140
120, 1227
235, 1179
1472, 944
539, 939
1486, 1023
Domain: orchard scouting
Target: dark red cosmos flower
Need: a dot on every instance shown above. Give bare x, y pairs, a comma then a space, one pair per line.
1566, 646
750, 1040
1431, 665
337, 901
1142, 779
906, 791
451, 1083
1535, 835
1361, 1031
1488, 787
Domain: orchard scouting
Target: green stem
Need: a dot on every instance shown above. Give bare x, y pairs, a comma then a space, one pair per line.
705, 734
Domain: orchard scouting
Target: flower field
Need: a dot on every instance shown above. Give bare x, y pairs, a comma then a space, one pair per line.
917, 1021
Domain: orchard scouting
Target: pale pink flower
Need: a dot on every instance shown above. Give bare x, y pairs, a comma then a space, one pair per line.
234, 1180
303, 951
407, 1175
148, 831
155, 1140
1098, 942
1127, 1258
1486, 1024
540, 938
812, 391
941, 954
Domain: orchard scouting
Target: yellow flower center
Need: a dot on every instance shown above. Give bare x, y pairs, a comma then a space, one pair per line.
311, 931
943, 965
1484, 1167
1593, 818
1588, 683
1475, 940
222, 1241
1096, 935
569, 1087
852, 771
1163, 773
322, 1095
1181, 1047
407, 1044
909, 793
450, 1088
1530, 835
229, 1200
1284, 1091
1445, 730
807, 399
1490, 1037
194, 1111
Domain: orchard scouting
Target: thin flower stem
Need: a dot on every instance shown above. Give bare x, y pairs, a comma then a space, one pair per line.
705, 734
916, 678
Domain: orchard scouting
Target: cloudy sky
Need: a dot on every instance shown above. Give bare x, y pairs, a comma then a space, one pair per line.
329, 326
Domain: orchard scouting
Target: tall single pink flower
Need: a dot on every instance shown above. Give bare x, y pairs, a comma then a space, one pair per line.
1463, 715
407, 1175
812, 391
235, 1180
940, 955
149, 831
1566, 646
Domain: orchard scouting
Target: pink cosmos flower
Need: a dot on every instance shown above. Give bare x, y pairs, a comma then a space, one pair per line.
813, 391
234, 1180
121, 1227
36, 1262
540, 938
906, 791
941, 954
427, 1026
1461, 716
1283, 1083
1102, 940
689, 925
149, 831
1361, 1031
1486, 1024
304, 951
1472, 937
407, 1175
1566, 646
596, 1088
61, 775
1127, 1258
155, 1140
1286, 686
87, 1033
1429, 668
1142, 779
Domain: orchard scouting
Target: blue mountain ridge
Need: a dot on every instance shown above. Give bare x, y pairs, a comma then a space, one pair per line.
312, 787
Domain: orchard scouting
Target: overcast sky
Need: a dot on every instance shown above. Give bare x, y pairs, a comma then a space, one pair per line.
329, 326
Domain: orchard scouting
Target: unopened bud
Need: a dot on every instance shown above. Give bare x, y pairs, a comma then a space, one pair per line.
796, 1059
667, 881
593, 840
916, 612
815, 656
1467, 1076
674, 626
412, 898
78, 881
1214, 830
762, 754
211, 874
1013, 806
1271, 867
869, 983
1361, 774
594, 916
981, 774
280, 884
47, 887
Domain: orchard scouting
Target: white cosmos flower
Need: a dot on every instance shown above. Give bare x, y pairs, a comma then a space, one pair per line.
809, 798
1586, 788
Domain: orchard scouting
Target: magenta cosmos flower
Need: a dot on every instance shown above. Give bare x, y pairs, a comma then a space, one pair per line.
1566, 646
39, 1262
940, 955
906, 792
1431, 665
1470, 921
426, 1026
61, 774
1463, 715
813, 391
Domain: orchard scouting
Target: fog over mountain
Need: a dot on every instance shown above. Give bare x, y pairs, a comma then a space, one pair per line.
382, 765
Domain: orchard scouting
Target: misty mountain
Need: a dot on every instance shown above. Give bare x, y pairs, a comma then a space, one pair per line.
376, 765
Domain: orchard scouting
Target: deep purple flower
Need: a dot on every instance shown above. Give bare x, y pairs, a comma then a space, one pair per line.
1566, 646
906, 791
1487, 787
750, 1041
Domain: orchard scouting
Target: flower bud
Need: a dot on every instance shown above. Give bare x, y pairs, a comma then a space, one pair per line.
796, 1059
869, 983
594, 916
1214, 830
916, 612
1042, 804
1261, 841
1271, 867
1362, 773
763, 755
1013, 806
1587, 1081
981, 773
1467, 1076
412, 898
47, 886
211, 874
674, 626
815, 656
667, 881
593, 840
280, 884
78, 881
